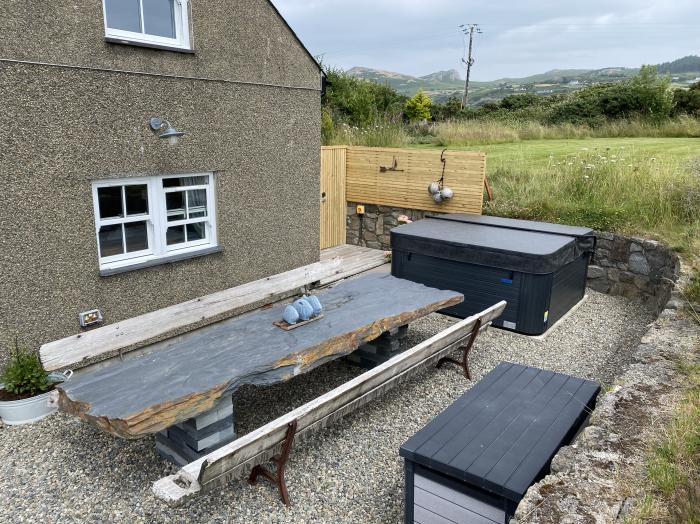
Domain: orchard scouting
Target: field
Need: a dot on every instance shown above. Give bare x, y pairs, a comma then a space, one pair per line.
644, 186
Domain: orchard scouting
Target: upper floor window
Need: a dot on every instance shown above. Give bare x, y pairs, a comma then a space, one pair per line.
161, 22
143, 219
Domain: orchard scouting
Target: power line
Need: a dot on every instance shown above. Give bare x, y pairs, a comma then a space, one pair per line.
469, 30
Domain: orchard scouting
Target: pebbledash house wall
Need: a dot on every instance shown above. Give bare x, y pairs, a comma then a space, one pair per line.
75, 110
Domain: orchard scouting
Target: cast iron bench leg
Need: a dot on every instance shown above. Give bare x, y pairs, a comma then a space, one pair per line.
281, 462
464, 364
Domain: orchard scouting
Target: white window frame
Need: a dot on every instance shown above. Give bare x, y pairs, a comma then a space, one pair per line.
182, 29
157, 220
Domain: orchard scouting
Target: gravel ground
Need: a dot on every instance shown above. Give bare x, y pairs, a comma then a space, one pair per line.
61, 470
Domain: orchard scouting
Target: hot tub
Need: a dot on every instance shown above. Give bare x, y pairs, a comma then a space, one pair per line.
538, 268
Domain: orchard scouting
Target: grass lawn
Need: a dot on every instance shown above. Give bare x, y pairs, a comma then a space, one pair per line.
642, 186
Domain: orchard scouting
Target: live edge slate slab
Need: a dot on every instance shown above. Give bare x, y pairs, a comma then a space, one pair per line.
475, 461
151, 392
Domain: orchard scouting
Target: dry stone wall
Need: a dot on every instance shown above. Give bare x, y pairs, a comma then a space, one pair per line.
632, 267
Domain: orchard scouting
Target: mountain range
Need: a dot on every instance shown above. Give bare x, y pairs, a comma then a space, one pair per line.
443, 84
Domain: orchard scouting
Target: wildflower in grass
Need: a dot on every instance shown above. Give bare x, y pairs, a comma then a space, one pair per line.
653, 159
590, 166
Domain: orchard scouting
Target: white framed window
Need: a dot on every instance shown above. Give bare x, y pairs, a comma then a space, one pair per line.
160, 22
143, 219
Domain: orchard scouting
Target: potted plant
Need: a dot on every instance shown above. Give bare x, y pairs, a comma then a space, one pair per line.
25, 388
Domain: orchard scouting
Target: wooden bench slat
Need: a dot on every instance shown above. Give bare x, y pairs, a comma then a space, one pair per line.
144, 329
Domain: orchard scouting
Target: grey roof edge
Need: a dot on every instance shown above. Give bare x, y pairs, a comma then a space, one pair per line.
296, 37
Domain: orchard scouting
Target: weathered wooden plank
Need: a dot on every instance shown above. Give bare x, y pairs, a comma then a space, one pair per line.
259, 445
145, 329
153, 391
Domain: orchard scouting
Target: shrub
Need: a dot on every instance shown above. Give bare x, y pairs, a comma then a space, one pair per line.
418, 108
687, 101
24, 375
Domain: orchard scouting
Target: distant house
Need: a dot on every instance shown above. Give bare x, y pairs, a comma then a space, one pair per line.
99, 210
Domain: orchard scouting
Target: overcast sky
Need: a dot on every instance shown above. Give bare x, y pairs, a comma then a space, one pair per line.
520, 37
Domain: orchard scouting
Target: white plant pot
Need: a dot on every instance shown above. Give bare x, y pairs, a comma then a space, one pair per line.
25, 411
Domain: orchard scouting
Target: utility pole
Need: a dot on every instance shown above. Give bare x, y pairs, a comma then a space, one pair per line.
469, 29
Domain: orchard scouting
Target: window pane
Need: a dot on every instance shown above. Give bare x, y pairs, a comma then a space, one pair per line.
159, 17
175, 204
123, 14
196, 232
186, 181
110, 200
136, 235
197, 203
136, 199
175, 235
111, 240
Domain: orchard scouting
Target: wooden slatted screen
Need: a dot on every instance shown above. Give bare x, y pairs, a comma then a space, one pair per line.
333, 204
407, 186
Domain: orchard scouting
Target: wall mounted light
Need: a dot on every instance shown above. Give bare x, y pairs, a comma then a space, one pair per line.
164, 130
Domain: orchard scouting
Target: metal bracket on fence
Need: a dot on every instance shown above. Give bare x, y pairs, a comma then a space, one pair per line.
464, 364
281, 462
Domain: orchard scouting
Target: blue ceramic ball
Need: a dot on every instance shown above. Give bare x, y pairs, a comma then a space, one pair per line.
303, 308
315, 304
290, 315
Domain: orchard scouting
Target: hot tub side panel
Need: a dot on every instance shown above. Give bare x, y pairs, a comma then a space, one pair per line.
527, 295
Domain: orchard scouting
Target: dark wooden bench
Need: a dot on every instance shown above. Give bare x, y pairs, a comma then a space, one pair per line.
475, 461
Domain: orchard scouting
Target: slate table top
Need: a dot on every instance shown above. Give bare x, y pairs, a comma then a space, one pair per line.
152, 391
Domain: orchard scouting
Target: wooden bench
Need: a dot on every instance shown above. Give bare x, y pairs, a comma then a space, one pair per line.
475, 461
259, 446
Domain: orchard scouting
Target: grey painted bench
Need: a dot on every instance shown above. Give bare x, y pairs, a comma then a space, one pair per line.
236, 458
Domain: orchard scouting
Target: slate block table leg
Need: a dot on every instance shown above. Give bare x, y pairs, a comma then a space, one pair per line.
186, 442
379, 350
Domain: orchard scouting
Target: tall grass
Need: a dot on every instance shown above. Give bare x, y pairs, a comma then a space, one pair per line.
610, 189
477, 132
379, 135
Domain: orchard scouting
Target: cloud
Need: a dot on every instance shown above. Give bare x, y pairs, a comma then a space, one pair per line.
520, 38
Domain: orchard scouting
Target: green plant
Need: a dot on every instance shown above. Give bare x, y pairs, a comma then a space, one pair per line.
418, 107
24, 375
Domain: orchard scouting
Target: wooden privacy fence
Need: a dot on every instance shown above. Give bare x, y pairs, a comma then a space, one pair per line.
395, 178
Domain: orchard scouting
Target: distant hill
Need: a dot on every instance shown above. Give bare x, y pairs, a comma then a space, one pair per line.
451, 75
443, 84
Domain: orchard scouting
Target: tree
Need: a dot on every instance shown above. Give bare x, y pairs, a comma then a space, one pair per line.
418, 108
687, 100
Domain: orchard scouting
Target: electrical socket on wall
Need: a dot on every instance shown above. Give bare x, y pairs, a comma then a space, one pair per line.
360, 209
88, 318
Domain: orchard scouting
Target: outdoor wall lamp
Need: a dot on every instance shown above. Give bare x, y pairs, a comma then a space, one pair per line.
163, 129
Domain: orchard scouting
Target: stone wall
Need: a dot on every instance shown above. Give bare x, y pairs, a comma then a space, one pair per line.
631, 267
634, 268
372, 229
597, 478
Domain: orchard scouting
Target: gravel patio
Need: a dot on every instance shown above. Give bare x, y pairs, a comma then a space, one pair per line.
61, 470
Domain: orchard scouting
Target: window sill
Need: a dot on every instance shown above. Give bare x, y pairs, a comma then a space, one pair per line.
123, 41
107, 272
